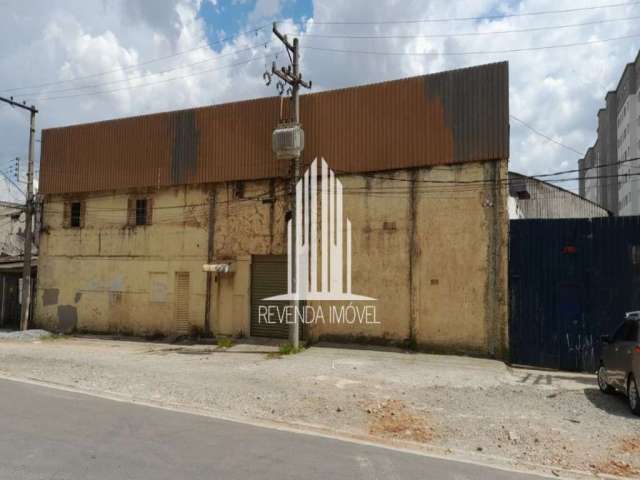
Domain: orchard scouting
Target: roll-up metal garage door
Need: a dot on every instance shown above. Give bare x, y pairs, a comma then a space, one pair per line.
268, 278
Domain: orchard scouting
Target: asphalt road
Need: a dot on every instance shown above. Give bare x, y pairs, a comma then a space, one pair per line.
52, 434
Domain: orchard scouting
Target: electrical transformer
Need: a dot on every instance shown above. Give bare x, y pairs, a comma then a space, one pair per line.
288, 141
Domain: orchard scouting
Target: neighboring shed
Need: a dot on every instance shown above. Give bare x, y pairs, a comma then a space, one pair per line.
533, 198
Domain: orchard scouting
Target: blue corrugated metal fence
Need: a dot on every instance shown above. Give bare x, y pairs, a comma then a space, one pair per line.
570, 281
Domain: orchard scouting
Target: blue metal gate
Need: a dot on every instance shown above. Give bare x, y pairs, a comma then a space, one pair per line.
570, 281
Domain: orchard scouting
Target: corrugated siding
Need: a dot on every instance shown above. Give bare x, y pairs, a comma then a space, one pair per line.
561, 301
450, 117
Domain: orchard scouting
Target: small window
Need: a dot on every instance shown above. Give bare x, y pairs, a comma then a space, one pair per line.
141, 211
238, 190
76, 215
619, 333
627, 332
73, 214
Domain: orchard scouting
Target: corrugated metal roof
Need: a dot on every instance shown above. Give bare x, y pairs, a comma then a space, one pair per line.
450, 117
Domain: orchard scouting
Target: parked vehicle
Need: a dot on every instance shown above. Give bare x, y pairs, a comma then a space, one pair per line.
620, 362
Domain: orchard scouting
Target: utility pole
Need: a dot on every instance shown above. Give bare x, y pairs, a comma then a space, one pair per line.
28, 214
291, 75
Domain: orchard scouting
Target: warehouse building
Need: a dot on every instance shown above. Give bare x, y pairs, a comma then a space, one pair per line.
135, 207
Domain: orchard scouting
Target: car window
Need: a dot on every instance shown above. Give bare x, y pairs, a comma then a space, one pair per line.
631, 332
627, 332
619, 333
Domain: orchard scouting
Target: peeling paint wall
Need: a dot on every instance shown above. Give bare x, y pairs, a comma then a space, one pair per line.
435, 258
121, 279
102, 270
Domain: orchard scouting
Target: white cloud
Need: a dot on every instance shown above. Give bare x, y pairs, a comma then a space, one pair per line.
558, 91
264, 9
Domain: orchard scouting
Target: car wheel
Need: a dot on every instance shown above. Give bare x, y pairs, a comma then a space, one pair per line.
634, 396
602, 381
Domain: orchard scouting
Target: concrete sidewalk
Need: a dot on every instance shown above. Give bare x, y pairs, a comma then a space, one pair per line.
457, 406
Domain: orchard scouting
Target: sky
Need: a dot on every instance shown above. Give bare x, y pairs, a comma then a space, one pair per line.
89, 60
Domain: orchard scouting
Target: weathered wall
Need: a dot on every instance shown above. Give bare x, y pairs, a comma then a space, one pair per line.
433, 257
108, 277
99, 278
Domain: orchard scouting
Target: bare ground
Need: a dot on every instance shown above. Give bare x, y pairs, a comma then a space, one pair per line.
474, 408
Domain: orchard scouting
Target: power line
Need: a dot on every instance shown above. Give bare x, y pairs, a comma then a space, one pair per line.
460, 192
137, 65
12, 182
464, 34
436, 185
450, 183
262, 27
602, 165
471, 52
267, 194
150, 74
131, 87
537, 132
484, 17
334, 50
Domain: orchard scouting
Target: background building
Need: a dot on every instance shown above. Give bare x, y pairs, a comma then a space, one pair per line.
134, 207
11, 262
533, 198
628, 127
602, 177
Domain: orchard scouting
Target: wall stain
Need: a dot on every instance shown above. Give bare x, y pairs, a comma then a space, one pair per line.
413, 253
67, 318
50, 296
184, 156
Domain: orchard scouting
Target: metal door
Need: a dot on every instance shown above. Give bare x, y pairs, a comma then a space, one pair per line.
182, 284
268, 278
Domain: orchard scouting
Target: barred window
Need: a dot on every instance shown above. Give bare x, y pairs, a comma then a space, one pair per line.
73, 216
139, 211
74, 221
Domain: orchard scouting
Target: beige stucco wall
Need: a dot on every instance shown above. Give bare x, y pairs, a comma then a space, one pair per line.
433, 256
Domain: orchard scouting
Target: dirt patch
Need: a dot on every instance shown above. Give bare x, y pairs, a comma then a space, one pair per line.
395, 420
616, 467
630, 445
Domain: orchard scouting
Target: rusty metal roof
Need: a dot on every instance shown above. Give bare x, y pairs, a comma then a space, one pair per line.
445, 118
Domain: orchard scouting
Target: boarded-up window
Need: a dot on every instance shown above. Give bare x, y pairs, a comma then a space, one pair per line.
158, 287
